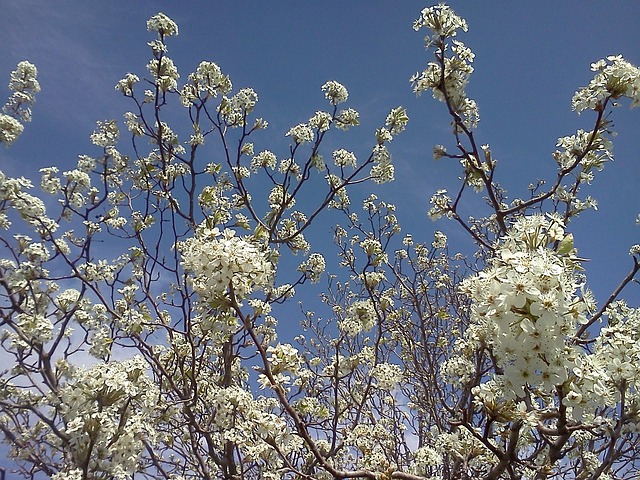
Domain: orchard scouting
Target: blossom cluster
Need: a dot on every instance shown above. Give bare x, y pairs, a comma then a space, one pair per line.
525, 305
615, 77
109, 412
223, 264
207, 79
17, 110
447, 77
236, 108
313, 267
609, 377
335, 92
441, 20
163, 25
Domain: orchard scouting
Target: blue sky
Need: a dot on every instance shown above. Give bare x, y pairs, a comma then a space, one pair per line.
530, 58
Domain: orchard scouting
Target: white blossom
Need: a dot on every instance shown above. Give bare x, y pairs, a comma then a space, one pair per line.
335, 92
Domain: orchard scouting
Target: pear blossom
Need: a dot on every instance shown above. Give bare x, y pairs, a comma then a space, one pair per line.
150, 326
335, 92
223, 264
163, 25
301, 133
17, 109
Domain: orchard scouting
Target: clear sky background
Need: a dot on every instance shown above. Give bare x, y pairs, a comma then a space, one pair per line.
530, 58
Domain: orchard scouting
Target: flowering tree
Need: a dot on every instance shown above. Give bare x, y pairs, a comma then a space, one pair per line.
141, 298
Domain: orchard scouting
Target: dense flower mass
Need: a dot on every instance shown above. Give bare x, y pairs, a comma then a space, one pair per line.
441, 20
224, 264
525, 306
614, 78
163, 25
17, 110
109, 412
300, 133
335, 92
179, 312
10, 129
207, 79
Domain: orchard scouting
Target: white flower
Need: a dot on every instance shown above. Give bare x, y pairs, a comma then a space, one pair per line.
126, 84
109, 412
222, 263
321, 121
10, 129
397, 120
387, 375
264, 159
165, 73
344, 158
301, 133
75, 474
615, 78
440, 202
347, 118
163, 25
383, 135
527, 307
382, 170
335, 92
361, 317
439, 240
207, 78
313, 267
284, 358
235, 109
279, 197
24, 85
441, 20
106, 134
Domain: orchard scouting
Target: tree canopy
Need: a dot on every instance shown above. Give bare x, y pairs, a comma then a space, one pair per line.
170, 311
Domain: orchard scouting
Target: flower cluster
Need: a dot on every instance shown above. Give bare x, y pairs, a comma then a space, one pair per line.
321, 121
313, 267
250, 424
17, 110
441, 20
615, 78
109, 412
126, 84
10, 129
611, 374
382, 170
361, 317
440, 205
224, 264
234, 110
387, 375
525, 305
335, 92
264, 159
163, 25
343, 158
207, 79
165, 73
397, 120
300, 133
347, 118
448, 76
